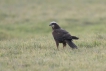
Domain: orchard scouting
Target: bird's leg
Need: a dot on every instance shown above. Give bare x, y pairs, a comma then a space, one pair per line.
57, 44
64, 45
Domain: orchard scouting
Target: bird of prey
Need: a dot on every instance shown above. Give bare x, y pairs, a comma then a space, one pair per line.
62, 36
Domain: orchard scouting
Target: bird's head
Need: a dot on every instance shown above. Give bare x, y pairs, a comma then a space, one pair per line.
54, 25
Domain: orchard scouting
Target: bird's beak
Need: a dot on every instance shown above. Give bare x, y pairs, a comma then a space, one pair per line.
50, 25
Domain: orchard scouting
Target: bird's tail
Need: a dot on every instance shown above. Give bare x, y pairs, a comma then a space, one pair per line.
74, 37
71, 44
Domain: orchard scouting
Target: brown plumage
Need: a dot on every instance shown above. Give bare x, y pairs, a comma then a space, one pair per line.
62, 36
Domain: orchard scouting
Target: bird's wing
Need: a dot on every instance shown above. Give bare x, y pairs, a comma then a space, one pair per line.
61, 34
66, 35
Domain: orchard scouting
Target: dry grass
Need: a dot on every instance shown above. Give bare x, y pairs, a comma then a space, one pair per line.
26, 43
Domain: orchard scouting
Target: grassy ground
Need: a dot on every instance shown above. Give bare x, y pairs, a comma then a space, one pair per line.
26, 43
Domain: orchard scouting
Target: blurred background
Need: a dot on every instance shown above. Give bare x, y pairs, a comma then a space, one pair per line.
28, 18
26, 42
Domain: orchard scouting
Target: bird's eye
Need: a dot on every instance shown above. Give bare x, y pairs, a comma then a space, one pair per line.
53, 26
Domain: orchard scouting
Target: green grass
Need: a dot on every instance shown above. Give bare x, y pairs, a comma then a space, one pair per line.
26, 42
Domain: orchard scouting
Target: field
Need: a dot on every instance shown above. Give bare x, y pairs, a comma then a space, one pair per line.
26, 42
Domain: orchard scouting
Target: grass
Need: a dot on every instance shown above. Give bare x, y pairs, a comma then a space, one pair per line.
26, 43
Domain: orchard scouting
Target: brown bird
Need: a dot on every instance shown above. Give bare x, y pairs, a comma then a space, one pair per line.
62, 36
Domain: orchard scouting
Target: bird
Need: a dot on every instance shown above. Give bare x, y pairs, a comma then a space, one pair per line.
62, 36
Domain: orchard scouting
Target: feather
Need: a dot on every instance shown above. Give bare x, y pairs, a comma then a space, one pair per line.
74, 37
71, 44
